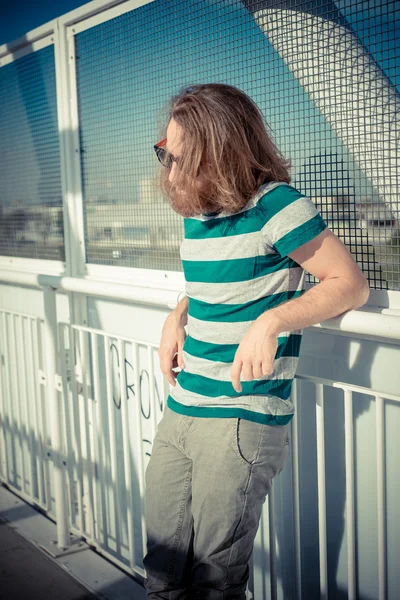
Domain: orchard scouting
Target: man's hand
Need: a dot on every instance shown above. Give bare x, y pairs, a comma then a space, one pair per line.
342, 287
256, 353
172, 339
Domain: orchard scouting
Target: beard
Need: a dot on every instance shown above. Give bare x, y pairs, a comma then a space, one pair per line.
179, 201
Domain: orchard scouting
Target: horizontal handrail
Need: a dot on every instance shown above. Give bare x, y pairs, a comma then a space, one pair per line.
368, 322
341, 385
142, 293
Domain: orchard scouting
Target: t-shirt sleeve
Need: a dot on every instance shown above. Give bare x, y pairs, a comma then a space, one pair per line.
294, 220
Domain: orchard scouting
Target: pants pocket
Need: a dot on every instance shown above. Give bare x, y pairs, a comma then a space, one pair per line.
260, 444
247, 439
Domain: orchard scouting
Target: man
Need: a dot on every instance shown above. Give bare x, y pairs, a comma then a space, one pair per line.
249, 238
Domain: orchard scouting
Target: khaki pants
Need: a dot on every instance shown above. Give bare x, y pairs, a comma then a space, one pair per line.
206, 482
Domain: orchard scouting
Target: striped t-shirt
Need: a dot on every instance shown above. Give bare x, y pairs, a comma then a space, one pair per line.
237, 267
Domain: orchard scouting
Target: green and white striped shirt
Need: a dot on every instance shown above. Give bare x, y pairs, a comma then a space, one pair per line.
236, 268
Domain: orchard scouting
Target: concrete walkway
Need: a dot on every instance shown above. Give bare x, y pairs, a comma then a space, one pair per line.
32, 568
26, 573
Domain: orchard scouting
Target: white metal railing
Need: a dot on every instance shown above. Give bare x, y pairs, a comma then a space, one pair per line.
87, 450
25, 452
348, 391
104, 413
369, 321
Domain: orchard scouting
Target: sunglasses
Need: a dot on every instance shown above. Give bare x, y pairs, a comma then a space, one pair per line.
165, 157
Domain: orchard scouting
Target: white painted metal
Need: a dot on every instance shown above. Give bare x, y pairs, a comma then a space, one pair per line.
87, 11
364, 322
101, 518
152, 390
131, 442
76, 484
25, 50
296, 494
381, 491
4, 411
65, 372
381, 481
106, 422
68, 416
68, 124
11, 466
350, 501
41, 463
92, 433
15, 378
56, 424
113, 444
61, 57
323, 560
141, 473
272, 543
355, 321
144, 277
348, 386
75, 195
127, 454
25, 405
29, 266
101, 503
85, 403
83, 23
144, 294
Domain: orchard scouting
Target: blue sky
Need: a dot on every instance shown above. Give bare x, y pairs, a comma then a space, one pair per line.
21, 16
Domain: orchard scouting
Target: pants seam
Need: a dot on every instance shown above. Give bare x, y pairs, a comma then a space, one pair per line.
236, 529
179, 528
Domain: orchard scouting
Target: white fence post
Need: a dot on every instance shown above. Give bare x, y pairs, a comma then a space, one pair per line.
56, 425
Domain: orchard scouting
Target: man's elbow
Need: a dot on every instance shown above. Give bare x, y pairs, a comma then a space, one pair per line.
360, 291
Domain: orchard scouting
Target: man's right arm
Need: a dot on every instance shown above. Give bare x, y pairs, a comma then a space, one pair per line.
172, 339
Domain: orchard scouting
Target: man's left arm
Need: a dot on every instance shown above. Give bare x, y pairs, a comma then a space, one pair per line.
342, 287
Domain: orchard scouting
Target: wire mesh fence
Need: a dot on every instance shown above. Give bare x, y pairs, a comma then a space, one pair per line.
325, 75
31, 217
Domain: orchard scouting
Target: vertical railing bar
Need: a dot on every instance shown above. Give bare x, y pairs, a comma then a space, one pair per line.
272, 543
43, 412
32, 393
3, 410
381, 495
100, 447
55, 416
150, 359
350, 500
12, 467
113, 445
127, 458
39, 430
17, 398
65, 329
138, 392
321, 491
91, 434
296, 491
165, 386
87, 462
28, 425
76, 431
22, 394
